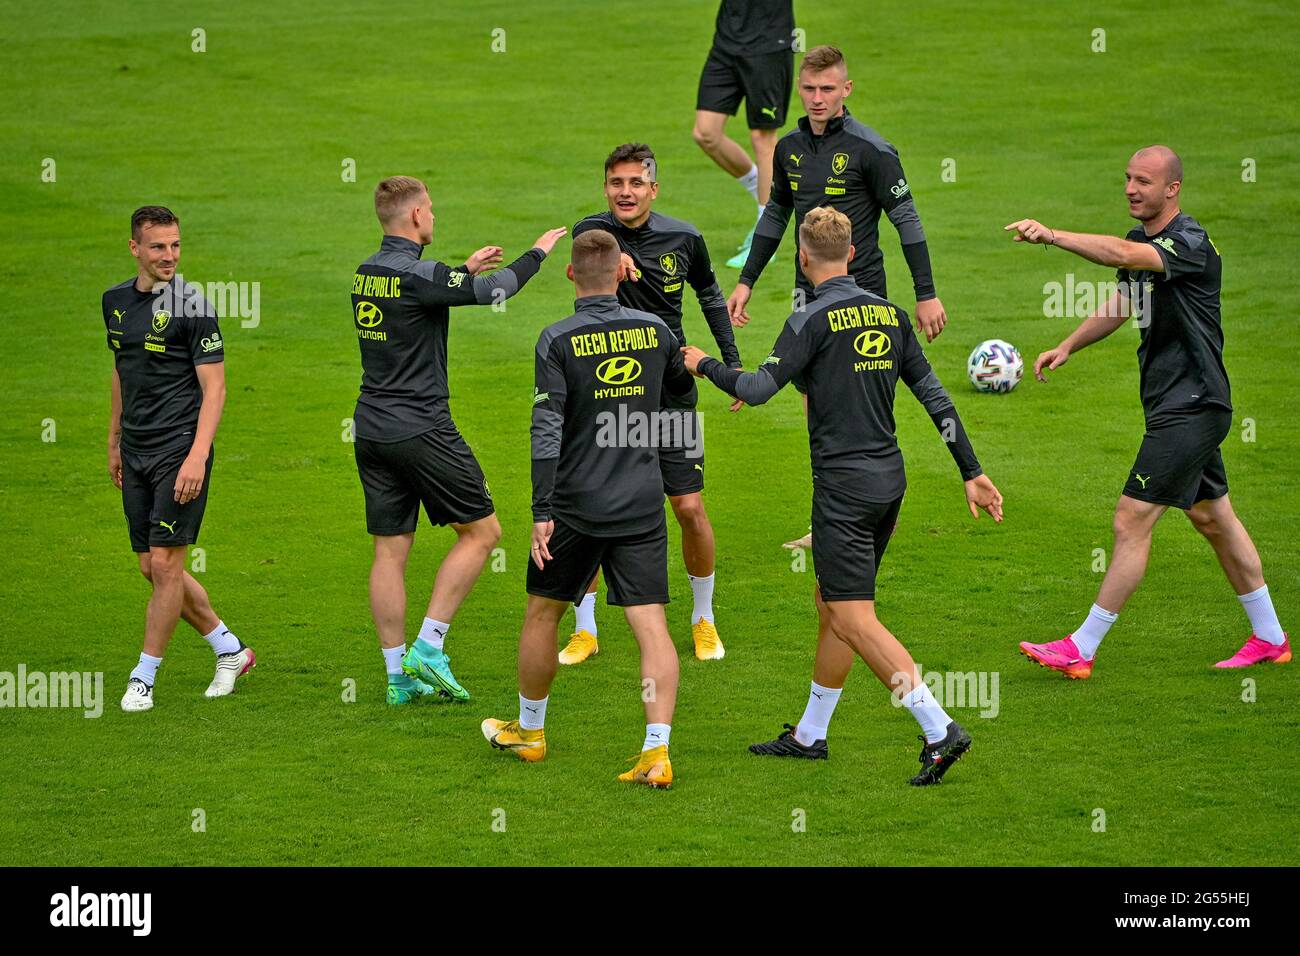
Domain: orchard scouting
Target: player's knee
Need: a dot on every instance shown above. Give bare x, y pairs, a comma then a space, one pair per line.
690, 512
146, 568
166, 565
706, 138
487, 532
1129, 523
1206, 522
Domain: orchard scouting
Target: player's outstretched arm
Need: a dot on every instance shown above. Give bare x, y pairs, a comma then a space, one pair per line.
1103, 250
712, 305
1112, 314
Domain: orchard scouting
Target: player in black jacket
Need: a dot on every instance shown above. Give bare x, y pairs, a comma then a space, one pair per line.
662, 256
598, 496
409, 452
849, 348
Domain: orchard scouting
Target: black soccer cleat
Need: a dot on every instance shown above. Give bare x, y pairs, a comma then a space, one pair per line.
786, 746
936, 758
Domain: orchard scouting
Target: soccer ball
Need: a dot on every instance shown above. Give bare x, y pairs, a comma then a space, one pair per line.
995, 366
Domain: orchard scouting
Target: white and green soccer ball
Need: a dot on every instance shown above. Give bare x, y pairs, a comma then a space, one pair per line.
995, 366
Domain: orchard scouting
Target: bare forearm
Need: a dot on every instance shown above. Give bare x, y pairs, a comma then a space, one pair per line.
214, 400
1103, 250
1100, 324
115, 412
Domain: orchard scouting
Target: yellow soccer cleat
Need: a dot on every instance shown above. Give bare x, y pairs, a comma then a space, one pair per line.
581, 646
528, 745
708, 646
653, 768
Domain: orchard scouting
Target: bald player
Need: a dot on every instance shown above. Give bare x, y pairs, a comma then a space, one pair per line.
1170, 270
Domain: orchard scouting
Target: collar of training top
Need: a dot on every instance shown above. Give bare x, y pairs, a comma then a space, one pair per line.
834, 282
833, 125
588, 303
401, 244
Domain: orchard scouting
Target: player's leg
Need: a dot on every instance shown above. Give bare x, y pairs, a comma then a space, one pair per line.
1073, 655
831, 666
392, 511
551, 588
196, 611
1218, 523
710, 135
167, 567
699, 553
583, 641
943, 739
636, 574
834, 658
450, 483
767, 81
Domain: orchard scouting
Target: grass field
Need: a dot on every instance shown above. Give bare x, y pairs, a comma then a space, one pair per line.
246, 142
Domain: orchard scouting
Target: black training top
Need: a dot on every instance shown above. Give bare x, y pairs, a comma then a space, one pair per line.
850, 348
668, 252
854, 169
1181, 352
157, 338
400, 308
595, 431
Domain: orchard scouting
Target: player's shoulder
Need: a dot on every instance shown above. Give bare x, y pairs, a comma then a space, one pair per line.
626, 314
660, 223
871, 139
563, 328
597, 220
1187, 229
431, 270
123, 286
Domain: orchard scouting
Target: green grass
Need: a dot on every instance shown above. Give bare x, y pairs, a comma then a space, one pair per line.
245, 141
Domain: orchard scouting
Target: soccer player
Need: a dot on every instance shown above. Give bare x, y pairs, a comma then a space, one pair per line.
408, 450
750, 59
660, 257
598, 497
1170, 271
169, 387
831, 159
850, 348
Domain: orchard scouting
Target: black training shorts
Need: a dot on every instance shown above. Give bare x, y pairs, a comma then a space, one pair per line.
849, 537
764, 82
1179, 462
153, 516
436, 469
635, 566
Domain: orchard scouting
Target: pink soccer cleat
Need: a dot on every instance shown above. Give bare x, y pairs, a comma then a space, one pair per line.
1060, 656
1255, 651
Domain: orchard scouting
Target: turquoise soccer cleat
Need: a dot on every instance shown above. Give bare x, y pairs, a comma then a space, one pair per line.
435, 669
403, 689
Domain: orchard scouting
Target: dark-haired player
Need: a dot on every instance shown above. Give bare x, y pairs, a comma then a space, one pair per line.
662, 256
169, 387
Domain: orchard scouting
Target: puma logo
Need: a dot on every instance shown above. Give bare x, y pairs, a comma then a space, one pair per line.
1142, 480
170, 526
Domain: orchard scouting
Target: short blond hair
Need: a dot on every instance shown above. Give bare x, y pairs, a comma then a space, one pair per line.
823, 58
394, 194
825, 234
594, 255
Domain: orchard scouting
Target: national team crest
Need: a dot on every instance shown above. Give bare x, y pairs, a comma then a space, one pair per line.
668, 262
839, 163
160, 320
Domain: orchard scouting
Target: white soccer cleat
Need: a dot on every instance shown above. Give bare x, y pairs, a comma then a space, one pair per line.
138, 696
230, 667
